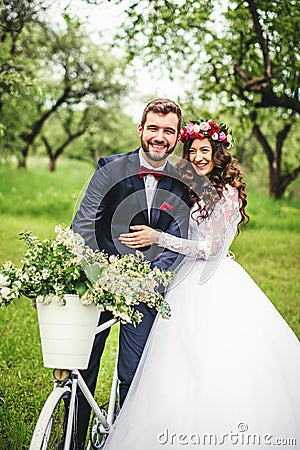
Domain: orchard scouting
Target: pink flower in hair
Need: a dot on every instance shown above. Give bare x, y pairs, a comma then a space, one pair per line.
190, 127
222, 136
204, 126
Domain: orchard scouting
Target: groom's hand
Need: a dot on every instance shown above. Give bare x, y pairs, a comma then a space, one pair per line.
142, 236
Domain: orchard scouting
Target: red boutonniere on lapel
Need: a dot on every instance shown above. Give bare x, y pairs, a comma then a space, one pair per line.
165, 206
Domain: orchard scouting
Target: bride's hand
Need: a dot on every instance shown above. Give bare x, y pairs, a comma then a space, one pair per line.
142, 236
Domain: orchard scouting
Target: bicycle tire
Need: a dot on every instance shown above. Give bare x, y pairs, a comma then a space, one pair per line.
49, 430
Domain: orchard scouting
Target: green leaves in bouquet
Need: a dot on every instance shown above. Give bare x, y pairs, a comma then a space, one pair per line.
92, 271
91, 274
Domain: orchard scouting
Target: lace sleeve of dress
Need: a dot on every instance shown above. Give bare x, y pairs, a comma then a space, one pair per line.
220, 229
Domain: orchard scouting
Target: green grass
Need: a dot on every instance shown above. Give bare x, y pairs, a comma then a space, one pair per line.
37, 200
24, 382
36, 192
34, 200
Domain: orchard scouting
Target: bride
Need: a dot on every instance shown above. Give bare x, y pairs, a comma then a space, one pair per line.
225, 369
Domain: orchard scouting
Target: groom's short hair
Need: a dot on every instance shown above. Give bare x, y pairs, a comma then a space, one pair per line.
162, 106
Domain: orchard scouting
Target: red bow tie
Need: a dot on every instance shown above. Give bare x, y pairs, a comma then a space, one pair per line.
144, 171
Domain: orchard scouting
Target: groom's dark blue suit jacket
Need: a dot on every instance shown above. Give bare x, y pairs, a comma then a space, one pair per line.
115, 199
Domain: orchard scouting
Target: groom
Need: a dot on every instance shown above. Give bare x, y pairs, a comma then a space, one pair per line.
135, 188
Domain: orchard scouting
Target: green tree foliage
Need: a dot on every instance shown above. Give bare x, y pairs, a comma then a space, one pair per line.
93, 132
111, 132
68, 76
241, 54
16, 71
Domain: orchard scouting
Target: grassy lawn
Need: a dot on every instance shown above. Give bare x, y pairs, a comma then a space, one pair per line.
37, 200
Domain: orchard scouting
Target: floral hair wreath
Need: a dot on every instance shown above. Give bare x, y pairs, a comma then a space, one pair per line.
206, 129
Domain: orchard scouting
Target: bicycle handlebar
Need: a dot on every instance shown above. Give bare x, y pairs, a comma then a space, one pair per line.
105, 325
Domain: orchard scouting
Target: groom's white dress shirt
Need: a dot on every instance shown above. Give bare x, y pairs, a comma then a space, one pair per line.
150, 181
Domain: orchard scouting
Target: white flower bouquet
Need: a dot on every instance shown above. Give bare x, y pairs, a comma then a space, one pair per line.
66, 265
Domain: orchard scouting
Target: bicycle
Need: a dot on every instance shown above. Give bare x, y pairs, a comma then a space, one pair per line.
56, 424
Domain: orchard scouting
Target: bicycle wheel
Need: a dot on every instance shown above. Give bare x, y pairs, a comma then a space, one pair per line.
49, 430
97, 434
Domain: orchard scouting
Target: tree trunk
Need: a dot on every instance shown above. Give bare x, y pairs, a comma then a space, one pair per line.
22, 163
275, 188
52, 165
278, 182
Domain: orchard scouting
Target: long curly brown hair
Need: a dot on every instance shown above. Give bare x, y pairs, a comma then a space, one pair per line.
207, 190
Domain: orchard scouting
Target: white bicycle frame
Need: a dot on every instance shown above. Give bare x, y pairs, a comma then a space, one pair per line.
76, 381
106, 423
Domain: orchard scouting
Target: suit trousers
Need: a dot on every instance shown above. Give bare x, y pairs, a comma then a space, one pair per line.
131, 345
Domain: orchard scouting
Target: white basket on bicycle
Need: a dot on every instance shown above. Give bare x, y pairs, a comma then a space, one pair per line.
67, 332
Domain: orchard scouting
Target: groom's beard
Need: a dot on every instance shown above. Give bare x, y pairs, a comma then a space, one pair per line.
160, 155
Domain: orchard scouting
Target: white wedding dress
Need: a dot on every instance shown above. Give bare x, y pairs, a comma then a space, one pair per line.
224, 371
